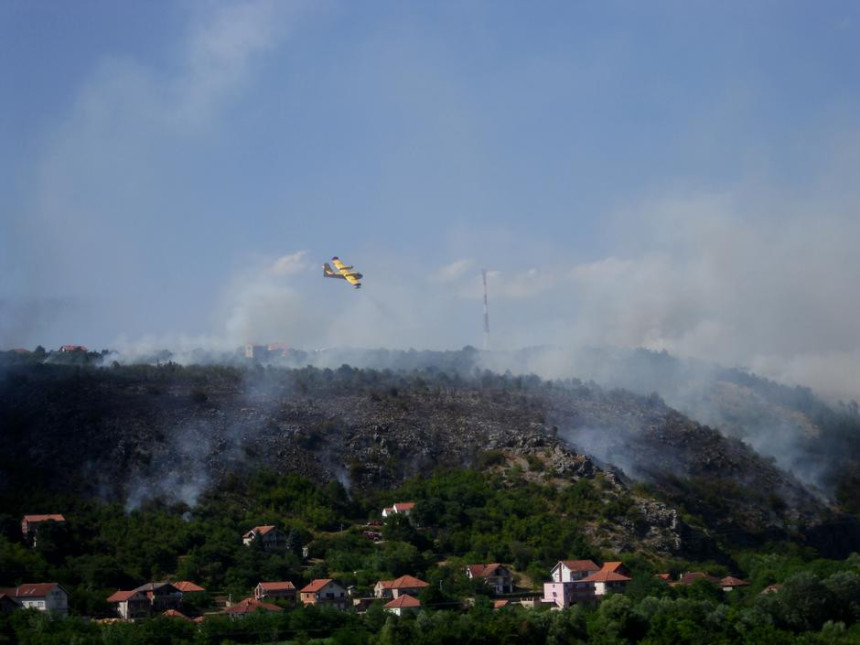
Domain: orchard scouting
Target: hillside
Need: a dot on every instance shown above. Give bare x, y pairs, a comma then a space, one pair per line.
132, 433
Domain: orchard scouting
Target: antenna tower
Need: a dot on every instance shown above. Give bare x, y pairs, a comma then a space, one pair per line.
486, 312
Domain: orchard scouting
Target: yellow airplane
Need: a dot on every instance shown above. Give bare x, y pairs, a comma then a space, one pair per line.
343, 272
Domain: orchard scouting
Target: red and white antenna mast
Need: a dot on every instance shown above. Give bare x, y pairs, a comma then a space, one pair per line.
486, 312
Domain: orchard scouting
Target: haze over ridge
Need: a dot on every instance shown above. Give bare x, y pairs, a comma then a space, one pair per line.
665, 177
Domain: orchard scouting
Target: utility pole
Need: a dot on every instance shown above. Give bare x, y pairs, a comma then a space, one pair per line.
486, 312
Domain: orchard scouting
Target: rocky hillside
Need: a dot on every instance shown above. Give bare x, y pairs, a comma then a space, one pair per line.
132, 432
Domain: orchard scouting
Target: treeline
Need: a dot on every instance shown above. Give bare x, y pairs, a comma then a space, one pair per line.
460, 517
809, 609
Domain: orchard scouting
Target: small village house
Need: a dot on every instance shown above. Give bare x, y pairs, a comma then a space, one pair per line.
49, 597
401, 508
324, 591
30, 525
285, 591
188, 588
130, 604
146, 600
403, 605
172, 613
581, 581
571, 570
268, 537
404, 585
496, 576
249, 606
730, 583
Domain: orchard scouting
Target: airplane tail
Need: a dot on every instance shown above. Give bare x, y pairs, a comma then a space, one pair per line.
327, 271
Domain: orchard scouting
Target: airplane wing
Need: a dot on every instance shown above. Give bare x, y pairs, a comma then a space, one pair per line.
346, 272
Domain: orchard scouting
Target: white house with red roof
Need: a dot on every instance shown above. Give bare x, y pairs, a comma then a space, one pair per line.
268, 536
401, 508
30, 525
284, 590
601, 583
571, 570
580, 581
402, 586
44, 596
497, 576
130, 604
402, 605
730, 583
324, 591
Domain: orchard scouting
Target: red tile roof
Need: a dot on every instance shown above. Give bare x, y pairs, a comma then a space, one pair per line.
35, 590
259, 530
731, 581
403, 602
55, 517
407, 582
187, 587
580, 565
483, 570
315, 585
73, 348
690, 577
250, 605
404, 506
277, 586
172, 613
498, 604
604, 575
121, 596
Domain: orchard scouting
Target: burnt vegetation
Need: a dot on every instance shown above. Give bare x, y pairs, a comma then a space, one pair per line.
161, 468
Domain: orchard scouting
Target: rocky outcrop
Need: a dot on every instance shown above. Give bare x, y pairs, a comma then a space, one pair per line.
128, 433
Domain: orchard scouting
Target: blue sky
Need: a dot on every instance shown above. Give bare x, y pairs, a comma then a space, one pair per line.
678, 175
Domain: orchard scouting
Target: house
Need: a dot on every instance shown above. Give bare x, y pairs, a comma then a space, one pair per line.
600, 584
691, 577
497, 576
249, 606
172, 613
774, 588
44, 596
571, 585
73, 348
403, 605
501, 604
401, 508
571, 570
130, 604
559, 594
187, 587
730, 582
404, 585
30, 525
269, 538
161, 596
616, 567
324, 591
275, 591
